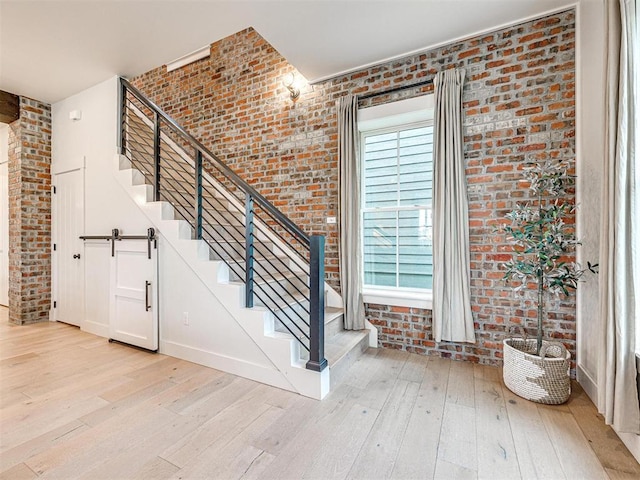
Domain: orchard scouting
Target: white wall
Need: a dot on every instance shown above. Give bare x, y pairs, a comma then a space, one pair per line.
90, 144
591, 44
4, 214
212, 337
590, 144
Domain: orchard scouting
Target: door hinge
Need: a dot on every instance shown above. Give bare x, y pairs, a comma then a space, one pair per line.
54, 190
55, 247
55, 304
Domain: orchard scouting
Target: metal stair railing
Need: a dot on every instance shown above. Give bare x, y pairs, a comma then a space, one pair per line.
282, 267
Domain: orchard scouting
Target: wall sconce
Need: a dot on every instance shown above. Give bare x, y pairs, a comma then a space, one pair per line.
290, 84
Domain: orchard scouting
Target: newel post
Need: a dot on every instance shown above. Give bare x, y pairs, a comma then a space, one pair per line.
316, 361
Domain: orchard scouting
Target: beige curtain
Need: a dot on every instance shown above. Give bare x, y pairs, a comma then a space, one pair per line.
349, 204
619, 240
452, 319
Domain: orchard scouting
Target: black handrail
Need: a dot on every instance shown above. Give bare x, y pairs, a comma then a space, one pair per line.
176, 175
239, 182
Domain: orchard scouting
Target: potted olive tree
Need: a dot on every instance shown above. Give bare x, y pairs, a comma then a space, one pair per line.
538, 369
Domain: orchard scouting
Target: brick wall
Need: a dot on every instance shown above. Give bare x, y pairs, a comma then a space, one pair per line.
30, 213
519, 107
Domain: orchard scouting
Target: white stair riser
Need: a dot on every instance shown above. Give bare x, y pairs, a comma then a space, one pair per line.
332, 326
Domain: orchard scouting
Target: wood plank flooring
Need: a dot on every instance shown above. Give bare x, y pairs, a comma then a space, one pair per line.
74, 406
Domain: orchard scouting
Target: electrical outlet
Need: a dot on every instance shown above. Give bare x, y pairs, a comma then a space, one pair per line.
185, 318
331, 220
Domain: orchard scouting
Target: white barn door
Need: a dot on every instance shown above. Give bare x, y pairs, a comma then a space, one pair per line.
133, 308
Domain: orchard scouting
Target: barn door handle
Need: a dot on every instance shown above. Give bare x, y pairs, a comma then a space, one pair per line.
77, 255
147, 307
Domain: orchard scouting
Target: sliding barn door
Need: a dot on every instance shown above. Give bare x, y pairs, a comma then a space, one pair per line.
133, 295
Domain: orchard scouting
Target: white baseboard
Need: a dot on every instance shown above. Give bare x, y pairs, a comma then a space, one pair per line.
98, 329
588, 384
235, 366
632, 441
590, 387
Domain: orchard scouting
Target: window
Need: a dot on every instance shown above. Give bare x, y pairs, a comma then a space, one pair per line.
396, 157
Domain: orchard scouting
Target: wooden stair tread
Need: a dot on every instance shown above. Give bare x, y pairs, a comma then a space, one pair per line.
336, 347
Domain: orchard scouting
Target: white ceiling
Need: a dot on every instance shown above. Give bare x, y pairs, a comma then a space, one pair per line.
51, 49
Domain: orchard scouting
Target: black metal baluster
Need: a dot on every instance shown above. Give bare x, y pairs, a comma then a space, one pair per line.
248, 251
316, 361
198, 195
122, 118
156, 156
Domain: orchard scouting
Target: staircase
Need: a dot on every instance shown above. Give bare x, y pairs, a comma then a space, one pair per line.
267, 272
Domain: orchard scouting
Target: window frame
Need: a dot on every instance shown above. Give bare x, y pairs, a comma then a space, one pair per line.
386, 295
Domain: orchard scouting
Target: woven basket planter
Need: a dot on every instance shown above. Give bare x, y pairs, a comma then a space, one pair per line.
542, 379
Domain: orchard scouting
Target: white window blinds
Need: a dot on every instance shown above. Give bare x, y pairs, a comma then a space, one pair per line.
397, 192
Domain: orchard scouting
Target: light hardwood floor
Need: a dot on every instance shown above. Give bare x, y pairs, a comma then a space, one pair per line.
74, 406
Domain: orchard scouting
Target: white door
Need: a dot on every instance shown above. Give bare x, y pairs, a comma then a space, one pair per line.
133, 312
68, 261
4, 235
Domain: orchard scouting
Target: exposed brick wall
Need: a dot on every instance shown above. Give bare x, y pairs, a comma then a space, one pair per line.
30, 213
234, 102
15, 221
519, 107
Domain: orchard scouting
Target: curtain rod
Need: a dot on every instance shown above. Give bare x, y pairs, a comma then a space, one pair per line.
396, 89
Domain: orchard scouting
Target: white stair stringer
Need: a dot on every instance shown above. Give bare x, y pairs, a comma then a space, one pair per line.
258, 322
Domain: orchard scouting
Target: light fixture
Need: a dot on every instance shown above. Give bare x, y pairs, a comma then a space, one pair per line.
289, 82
